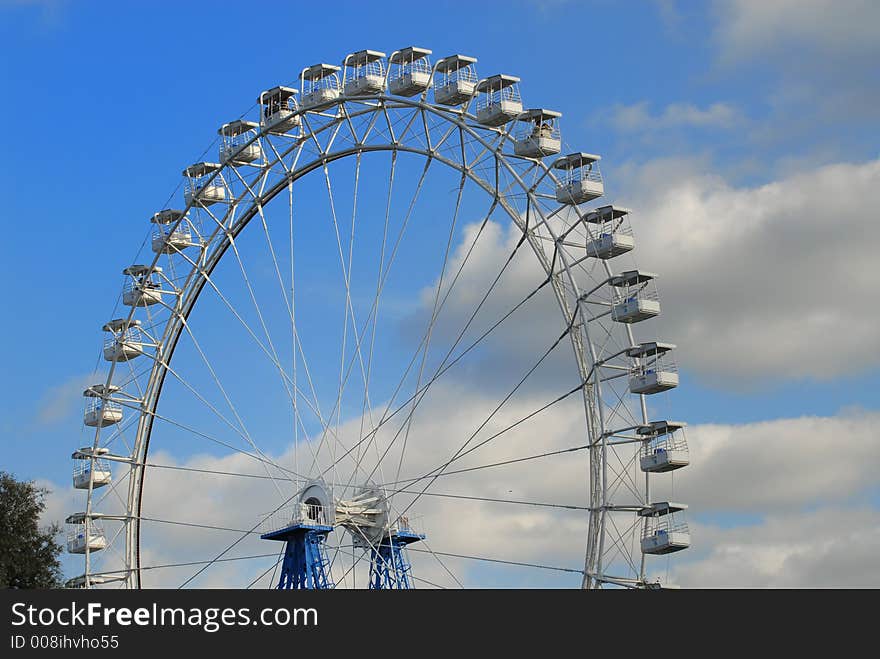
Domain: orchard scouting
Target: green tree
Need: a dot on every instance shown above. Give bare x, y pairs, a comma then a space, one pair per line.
28, 554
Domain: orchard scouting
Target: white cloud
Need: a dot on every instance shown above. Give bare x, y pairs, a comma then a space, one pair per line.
773, 471
759, 284
59, 401
820, 56
832, 547
751, 28
639, 118
781, 465
764, 283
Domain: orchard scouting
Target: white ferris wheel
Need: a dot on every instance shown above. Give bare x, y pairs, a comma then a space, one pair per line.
388, 339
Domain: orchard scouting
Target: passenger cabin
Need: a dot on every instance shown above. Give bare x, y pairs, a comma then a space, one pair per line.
76, 536
320, 86
125, 342
581, 180
142, 290
280, 111
363, 73
655, 370
538, 134
499, 101
88, 469
457, 83
665, 447
172, 232
202, 186
665, 530
409, 71
637, 297
611, 234
238, 143
100, 410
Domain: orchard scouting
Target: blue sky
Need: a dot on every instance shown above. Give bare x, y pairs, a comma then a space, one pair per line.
718, 105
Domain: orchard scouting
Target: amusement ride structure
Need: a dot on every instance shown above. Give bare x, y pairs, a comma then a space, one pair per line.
420, 164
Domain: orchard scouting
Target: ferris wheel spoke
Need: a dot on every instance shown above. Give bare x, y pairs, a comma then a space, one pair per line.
244, 431
285, 378
444, 366
366, 408
443, 495
289, 302
487, 559
483, 424
236, 542
167, 566
298, 351
196, 525
349, 307
431, 322
439, 471
220, 442
272, 568
375, 305
239, 430
443, 565
343, 375
417, 397
362, 558
253, 335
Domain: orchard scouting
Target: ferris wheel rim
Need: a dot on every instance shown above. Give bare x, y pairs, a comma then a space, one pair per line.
252, 210
379, 103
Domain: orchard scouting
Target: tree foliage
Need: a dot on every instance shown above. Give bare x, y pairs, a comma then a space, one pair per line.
28, 554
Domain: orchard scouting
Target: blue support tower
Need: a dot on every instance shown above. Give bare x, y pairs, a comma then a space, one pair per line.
305, 557
389, 567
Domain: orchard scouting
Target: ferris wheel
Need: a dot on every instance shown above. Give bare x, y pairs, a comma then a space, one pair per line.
386, 339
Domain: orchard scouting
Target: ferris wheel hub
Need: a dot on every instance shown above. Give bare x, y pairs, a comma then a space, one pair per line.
365, 515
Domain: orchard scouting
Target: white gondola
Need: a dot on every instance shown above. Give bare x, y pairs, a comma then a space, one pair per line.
410, 71
638, 299
665, 447
612, 234
538, 134
320, 86
665, 529
201, 187
237, 143
85, 470
100, 411
76, 537
457, 83
126, 340
280, 113
655, 371
142, 290
169, 236
499, 101
363, 73
581, 181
